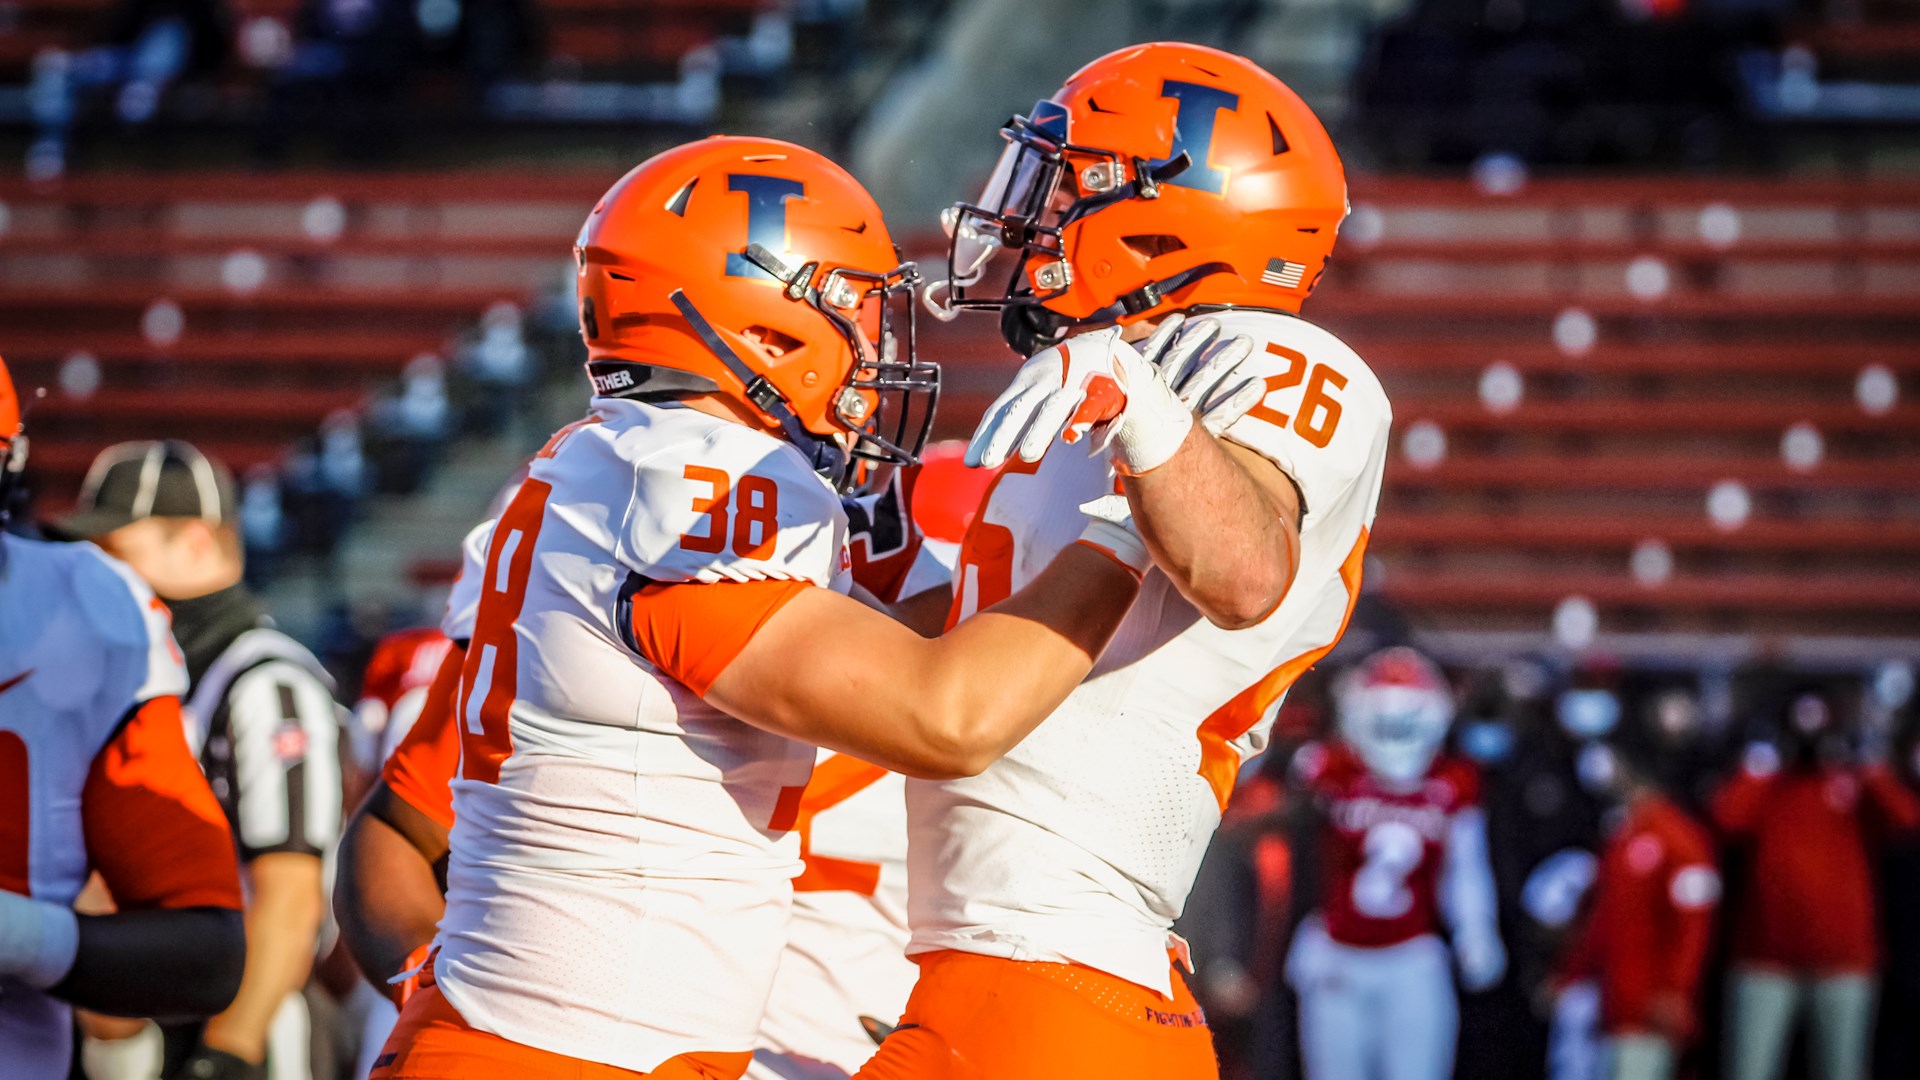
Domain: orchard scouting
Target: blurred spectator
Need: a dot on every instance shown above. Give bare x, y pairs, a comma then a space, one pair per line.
262, 523
1806, 929
325, 481
149, 45
413, 427
498, 367
261, 717
1634, 973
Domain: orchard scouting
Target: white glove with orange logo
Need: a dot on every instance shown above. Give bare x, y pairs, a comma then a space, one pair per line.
1143, 400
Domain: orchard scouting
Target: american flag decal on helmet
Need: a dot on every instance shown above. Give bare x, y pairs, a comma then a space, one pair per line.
1283, 273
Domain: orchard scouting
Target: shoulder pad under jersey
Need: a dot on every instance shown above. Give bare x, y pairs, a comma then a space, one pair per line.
717, 501
126, 614
1324, 418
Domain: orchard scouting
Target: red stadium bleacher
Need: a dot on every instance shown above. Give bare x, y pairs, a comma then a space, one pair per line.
1646, 347
1615, 408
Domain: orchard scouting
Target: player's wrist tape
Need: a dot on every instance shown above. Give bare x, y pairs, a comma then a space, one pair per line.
38, 940
1118, 543
1154, 425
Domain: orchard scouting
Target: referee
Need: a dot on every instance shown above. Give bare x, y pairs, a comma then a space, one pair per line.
261, 716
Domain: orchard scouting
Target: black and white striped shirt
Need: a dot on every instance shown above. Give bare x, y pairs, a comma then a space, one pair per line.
265, 725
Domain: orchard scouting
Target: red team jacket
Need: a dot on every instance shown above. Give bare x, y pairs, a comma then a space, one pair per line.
1810, 906
1647, 928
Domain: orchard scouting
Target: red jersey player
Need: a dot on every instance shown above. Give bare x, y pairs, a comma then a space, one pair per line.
1405, 856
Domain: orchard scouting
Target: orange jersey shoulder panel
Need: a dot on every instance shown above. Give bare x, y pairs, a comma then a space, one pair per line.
691, 632
153, 828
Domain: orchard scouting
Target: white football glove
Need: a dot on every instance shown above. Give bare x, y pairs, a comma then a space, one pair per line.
1092, 380
1203, 369
1482, 960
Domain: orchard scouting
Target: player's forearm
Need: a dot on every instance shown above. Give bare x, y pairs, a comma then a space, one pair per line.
173, 964
1212, 529
282, 922
1467, 891
385, 895
988, 682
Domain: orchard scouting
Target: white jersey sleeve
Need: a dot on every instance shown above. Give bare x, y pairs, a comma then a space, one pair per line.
1324, 418
732, 506
126, 613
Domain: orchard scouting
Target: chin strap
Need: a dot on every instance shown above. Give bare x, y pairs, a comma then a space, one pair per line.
1029, 327
828, 459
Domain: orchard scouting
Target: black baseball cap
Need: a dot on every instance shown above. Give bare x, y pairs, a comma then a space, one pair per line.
133, 481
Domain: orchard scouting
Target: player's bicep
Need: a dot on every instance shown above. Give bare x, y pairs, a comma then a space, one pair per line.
824, 669
153, 828
1321, 422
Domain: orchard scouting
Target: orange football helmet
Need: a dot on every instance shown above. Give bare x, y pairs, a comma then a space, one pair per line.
761, 271
13, 448
1161, 177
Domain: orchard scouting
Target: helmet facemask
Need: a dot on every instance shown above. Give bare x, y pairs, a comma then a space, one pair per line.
1025, 209
887, 403
1397, 730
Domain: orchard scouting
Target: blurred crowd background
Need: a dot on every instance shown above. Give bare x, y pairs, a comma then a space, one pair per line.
1641, 276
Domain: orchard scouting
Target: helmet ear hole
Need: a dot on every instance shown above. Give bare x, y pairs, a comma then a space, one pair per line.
773, 341
1153, 245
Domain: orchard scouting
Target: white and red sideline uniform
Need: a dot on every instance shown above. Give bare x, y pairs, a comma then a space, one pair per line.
95, 772
618, 889
1399, 863
1082, 844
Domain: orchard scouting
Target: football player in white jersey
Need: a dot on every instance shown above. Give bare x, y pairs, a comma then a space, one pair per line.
96, 776
1404, 858
664, 633
844, 972
1161, 180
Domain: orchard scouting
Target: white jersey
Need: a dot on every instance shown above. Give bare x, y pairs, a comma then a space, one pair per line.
1082, 843
846, 951
618, 888
83, 644
463, 600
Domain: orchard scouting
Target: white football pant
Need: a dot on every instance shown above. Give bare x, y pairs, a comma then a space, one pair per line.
1374, 1014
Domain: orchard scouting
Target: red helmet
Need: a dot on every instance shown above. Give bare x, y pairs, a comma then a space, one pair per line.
947, 494
1161, 177
760, 271
13, 448
1395, 708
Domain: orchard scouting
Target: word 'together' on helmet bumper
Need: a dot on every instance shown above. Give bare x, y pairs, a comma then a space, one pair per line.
1160, 177
761, 272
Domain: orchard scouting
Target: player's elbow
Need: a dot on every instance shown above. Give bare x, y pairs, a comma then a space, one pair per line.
1243, 601
214, 968
954, 741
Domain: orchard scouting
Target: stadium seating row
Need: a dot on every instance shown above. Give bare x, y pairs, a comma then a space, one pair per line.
1551, 410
